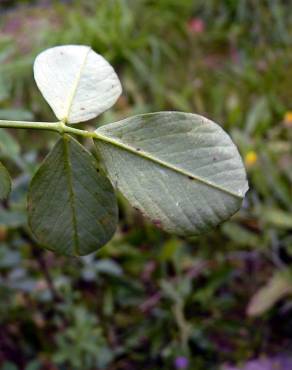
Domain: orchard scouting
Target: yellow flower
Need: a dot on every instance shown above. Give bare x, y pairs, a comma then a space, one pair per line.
288, 118
250, 158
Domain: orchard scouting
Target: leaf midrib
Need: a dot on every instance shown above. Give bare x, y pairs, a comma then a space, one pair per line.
68, 170
117, 143
75, 86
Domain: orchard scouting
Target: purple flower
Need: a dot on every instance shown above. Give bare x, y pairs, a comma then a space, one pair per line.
181, 362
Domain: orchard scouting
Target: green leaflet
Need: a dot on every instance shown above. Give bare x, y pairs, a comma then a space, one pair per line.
181, 170
72, 208
78, 83
5, 182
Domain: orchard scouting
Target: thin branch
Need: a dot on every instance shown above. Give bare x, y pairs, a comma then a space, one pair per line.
59, 127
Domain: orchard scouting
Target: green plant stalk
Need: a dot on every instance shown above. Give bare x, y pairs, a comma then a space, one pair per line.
183, 326
59, 127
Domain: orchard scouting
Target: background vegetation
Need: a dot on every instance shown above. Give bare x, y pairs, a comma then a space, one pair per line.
149, 300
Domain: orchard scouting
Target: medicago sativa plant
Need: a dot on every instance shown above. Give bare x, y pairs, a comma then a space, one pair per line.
181, 170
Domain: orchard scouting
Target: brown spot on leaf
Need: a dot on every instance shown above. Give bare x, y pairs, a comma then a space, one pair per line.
140, 212
105, 220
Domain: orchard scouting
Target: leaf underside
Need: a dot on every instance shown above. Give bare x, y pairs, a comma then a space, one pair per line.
78, 83
5, 182
72, 208
181, 170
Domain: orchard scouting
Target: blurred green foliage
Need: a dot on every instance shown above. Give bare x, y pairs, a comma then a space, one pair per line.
148, 298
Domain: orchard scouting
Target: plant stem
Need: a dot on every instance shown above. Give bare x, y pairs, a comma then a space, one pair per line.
59, 127
184, 327
39, 255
